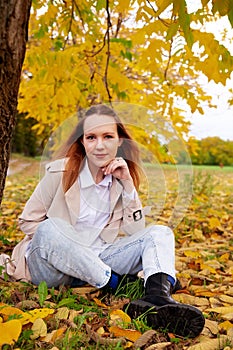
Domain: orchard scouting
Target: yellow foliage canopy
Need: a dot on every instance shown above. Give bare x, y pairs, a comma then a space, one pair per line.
80, 53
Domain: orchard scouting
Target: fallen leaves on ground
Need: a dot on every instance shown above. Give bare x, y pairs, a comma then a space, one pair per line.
87, 318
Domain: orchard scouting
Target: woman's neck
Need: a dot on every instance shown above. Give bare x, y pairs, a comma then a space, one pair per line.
96, 173
99, 176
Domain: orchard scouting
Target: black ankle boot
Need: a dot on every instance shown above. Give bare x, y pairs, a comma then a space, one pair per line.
164, 312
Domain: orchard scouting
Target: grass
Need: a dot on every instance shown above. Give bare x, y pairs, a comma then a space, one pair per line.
209, 168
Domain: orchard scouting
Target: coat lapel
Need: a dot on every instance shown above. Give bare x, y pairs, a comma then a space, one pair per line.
72, 197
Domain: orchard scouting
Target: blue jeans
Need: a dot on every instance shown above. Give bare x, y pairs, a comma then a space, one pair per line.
57, 257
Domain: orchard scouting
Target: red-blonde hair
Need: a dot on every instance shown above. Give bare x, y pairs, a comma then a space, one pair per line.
75, 151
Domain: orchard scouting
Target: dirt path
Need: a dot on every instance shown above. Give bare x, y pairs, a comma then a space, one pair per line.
28, 167
16, 166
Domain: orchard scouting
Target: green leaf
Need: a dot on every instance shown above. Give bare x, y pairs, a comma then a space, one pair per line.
66, 301
172, 30
126, 54
101, 4
4, 240
188, 36
43, 292
126, 43
58, 45
41, 32
184, 21
230, 16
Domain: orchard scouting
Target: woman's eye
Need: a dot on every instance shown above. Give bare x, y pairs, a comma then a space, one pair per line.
90, 137
108, 136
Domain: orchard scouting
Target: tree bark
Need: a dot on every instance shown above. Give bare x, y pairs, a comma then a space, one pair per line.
14, 18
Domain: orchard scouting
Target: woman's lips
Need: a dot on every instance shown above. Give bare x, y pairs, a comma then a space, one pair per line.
100, 156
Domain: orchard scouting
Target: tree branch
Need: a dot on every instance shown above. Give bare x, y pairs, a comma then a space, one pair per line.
150, 4
79, 13
70, 25
119, 22
171, 41
169, 60
154, 10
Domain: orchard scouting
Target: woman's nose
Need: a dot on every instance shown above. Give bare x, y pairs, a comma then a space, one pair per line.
99, 143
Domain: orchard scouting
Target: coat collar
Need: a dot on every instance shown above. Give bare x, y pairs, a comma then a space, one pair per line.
72, 197
72, 200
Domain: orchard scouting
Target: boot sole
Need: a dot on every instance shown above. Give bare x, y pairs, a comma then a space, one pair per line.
183, 320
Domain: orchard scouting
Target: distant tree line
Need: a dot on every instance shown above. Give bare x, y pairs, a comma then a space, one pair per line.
213, 151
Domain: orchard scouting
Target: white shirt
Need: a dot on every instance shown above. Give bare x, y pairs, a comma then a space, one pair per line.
94, 215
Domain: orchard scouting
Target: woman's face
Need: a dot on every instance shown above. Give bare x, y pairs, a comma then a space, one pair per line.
100, 140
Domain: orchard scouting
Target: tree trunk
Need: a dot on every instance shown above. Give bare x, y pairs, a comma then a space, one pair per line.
14, 18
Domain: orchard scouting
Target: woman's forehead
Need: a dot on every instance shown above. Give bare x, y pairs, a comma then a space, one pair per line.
99, 122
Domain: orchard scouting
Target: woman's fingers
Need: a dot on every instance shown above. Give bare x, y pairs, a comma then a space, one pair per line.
117, 164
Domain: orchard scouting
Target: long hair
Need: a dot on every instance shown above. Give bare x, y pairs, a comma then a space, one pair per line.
75, 151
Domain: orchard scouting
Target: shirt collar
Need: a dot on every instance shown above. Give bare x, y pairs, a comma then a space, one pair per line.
86, 179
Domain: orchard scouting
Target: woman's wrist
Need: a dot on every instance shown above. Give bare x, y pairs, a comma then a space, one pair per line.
128, 185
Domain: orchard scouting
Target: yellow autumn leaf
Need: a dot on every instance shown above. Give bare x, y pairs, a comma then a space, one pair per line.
39, 329
212, 344
190, 299
204, 292
192, 254
128, 345
84, 290
228, 317
10, 310
212, 326
224, 257
198, 235
129, 334
120, 316
226, 325
214, 223
62, 313
74, 313
10, 331
225, 217
215, 264
221, 310
54, 335
208, 268
100, 330
99, 303
185, 274
32, 315
123, 5
226, 299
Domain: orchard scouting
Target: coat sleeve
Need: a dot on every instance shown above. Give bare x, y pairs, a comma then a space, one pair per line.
133, 215
36, 208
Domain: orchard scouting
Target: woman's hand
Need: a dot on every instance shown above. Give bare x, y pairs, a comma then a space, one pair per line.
119, 169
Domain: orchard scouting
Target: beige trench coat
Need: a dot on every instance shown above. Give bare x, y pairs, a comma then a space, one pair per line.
49, 200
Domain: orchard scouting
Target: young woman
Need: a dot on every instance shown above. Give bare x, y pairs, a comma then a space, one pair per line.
85, 223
